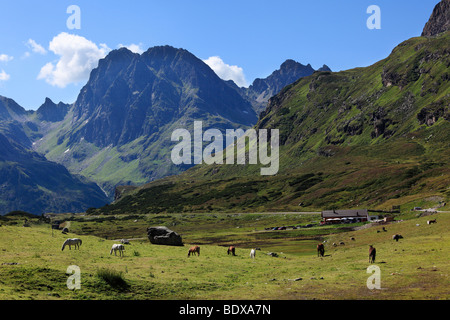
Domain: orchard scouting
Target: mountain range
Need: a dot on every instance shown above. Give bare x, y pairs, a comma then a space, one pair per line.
376, 137
118, 131
28, 181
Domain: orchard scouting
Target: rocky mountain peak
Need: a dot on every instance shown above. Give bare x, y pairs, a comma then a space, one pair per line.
290, 71
50, 111
439, 20
324, 68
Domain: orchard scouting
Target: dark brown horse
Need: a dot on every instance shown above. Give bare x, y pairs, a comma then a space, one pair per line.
320, 249
193, 250
372, 254
231, 250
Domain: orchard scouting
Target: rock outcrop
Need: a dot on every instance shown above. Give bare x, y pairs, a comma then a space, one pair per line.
439, 20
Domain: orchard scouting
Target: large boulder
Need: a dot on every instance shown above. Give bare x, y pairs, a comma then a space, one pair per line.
165, 236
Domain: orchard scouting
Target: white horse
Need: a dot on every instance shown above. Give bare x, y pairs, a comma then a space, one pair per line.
253, 252
116, 247
72, 242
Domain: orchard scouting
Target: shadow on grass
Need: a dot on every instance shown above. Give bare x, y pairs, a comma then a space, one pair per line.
113, 278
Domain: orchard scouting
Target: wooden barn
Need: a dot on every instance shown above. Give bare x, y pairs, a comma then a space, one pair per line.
344, 216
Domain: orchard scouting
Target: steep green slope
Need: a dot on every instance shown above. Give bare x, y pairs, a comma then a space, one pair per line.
373, 137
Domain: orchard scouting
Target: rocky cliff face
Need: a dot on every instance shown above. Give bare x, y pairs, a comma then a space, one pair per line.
129, 96
439, 20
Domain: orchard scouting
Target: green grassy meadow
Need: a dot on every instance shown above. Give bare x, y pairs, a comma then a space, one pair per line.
32, 265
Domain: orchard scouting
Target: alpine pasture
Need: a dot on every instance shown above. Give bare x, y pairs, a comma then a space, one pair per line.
33, 266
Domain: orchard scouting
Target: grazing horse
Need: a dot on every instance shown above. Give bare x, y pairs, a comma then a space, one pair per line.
193, 250
253, 252
372, 254
431, 221
396, 237
117, 246
72, 242
231, 250
320, 249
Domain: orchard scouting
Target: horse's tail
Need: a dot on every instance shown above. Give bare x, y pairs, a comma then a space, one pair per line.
64, 245
80, 242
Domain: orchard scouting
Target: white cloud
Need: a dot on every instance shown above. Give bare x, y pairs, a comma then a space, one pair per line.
5, 58
35, 47
4, 76
77, 57
227, 72
136, 48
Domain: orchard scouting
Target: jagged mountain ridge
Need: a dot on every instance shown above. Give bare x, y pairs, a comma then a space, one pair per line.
262, 89
51, 112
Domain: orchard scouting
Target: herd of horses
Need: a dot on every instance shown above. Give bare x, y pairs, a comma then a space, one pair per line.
231, 250
76, 242
195, 250
372, 252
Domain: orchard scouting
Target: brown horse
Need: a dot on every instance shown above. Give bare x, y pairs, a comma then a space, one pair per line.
372, 254
320, 249
231, 250
193, 250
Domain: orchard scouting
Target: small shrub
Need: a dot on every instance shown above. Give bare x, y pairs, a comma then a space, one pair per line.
112, 277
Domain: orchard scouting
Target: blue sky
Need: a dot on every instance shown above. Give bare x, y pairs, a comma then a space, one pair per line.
41, 57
